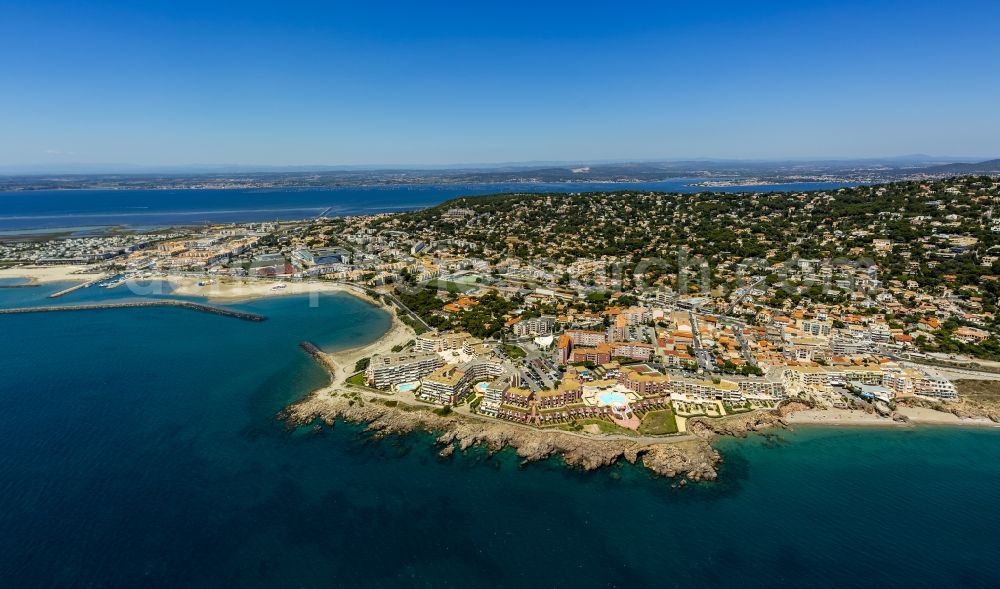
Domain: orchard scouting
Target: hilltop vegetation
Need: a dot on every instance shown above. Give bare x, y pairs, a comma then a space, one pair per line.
938, 231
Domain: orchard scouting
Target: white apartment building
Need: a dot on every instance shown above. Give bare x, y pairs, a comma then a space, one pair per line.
433, 342
387, 370
637, 315
588, 339
843, 346
817, 328
535, 326
449, 384
936, 386
444, 386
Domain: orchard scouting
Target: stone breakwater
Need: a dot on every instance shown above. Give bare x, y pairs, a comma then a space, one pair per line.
134, 304
318, 355
692, 458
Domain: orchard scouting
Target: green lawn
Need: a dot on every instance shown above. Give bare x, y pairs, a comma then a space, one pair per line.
606, 427
657, 423
357, 380
462, 284
474, 403
513, 351
445, 285
733, 408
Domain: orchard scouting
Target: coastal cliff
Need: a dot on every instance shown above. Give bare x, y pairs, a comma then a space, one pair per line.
690, 457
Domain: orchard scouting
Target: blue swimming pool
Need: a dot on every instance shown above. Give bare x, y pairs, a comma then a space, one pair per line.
611, 398
407, 386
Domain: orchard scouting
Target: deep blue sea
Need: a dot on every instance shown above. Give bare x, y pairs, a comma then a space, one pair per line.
139, 448
88, 210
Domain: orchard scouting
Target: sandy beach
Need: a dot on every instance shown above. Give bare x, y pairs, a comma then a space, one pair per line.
915, 416
232, 289
836, 417
43, 274
923, 415
344, 360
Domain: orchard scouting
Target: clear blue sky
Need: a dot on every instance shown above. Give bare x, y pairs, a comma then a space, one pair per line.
289, 83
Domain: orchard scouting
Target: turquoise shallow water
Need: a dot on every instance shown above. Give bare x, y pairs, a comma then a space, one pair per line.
139, 448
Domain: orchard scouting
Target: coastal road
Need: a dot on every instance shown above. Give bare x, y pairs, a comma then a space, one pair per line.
956, 373
375, 294
399, 304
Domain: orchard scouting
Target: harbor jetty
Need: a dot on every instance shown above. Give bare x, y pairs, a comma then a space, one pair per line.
314, 351
134, 304
76, 287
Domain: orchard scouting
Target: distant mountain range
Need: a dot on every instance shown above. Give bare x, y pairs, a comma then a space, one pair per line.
987, 167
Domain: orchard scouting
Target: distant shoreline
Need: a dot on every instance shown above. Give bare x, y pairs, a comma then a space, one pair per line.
238, 203
682, 181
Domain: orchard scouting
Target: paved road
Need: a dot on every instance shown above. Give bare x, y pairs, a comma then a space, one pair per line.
399, 304
955, 373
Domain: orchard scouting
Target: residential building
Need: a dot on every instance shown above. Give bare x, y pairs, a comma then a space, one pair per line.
435, 342
445, 385
535, 326
387, 370
937, 386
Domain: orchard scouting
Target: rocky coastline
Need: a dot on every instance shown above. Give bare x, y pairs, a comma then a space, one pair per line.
735, 425
689, 457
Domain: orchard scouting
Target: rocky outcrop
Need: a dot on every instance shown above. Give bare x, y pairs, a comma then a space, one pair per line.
734, 425
790, 407
697, 460
694, 459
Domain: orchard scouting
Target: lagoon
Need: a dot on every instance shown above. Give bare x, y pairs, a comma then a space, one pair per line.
82, 212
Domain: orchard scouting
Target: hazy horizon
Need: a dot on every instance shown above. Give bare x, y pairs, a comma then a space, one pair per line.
191, 168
